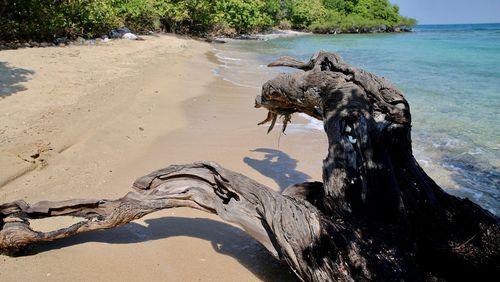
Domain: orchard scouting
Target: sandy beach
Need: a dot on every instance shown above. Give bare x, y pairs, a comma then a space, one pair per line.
86, 121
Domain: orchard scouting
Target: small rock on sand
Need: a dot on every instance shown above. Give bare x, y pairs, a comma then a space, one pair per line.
130, 36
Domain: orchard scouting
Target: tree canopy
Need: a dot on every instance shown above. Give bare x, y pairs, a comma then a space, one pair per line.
46, 20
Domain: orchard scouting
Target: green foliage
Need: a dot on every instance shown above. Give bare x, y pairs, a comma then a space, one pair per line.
20, 18
341, 6
303, 13
360, 15
276, 10
340, 22
49, 19
405, 21
41, 19
89, 18
172, 14
242, 15
138, 15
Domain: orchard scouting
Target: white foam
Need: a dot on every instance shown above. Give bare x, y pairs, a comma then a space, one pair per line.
281, 33
224, 58
424, 163
312, 122
477, 151
449, 143
216, 73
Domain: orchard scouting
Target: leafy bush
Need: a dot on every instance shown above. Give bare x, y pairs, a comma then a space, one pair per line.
303, 13
138, 15
89, 18
242, 15
405, 21
41, 20
360, 16
337, 22
31, 18
276, 10
173, 14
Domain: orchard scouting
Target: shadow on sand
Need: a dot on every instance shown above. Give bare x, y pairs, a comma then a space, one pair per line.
225, 239
11, 79
278, 166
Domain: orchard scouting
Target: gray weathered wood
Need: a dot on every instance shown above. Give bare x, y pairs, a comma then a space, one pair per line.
376, 216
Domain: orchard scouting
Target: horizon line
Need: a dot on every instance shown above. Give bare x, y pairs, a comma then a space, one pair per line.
457, 23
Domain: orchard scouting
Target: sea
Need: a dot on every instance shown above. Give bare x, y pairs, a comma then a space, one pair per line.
450, 74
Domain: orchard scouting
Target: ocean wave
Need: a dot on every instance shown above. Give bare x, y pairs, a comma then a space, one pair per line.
312, 122
224, 58
216, 73
448, 143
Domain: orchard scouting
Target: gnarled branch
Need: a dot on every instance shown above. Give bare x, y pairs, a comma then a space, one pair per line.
376, 216
261, 212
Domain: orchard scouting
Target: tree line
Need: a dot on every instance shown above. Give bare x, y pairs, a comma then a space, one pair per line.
50, 19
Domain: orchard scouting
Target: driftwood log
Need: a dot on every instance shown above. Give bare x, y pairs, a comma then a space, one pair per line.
376, 216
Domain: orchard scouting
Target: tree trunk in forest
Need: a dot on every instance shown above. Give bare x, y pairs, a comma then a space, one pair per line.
376, 216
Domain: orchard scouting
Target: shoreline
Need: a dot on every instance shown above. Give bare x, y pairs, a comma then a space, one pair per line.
182, 120
210, 38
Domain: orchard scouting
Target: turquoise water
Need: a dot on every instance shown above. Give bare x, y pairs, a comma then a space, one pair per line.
450, 75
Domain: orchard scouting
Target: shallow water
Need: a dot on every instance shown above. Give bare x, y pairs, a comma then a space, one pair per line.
450, 75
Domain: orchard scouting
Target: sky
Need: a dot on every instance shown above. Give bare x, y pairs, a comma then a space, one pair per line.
450, 11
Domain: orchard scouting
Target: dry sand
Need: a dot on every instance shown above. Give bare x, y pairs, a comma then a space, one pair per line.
86, 121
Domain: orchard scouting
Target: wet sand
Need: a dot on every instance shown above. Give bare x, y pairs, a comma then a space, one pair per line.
101, 116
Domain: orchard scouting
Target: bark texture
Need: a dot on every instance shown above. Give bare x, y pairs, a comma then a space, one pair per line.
376, 216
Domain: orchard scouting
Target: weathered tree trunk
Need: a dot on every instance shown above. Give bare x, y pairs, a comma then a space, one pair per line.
376, 216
